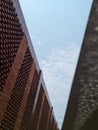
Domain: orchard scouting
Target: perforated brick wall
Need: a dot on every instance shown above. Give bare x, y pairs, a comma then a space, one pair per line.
10, 37
26, 121
36, 114
21, 85
44, 116
17, 93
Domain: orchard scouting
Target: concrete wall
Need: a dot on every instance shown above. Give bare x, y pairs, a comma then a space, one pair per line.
83, 101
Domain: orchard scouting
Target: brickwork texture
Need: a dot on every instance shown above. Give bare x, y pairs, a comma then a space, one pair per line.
20, 81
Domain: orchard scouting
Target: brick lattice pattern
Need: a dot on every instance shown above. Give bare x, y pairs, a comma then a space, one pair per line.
10, 37
24, 102
17, 93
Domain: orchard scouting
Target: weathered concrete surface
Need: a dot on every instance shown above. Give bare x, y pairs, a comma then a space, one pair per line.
83, 102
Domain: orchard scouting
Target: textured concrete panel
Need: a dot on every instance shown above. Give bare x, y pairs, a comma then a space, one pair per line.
83, 100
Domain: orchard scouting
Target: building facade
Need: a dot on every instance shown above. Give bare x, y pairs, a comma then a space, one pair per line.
24, 101
82, 110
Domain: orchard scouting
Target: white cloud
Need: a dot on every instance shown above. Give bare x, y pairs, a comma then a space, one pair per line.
36, 40
58, 70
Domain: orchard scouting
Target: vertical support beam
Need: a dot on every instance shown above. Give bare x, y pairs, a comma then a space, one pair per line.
52, 123
27, 116
50, 119
37, 93
48, 114
41, 109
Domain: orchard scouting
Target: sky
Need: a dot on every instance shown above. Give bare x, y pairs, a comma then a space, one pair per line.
56, 28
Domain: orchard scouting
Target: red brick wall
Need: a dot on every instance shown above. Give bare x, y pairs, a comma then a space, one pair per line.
24, 104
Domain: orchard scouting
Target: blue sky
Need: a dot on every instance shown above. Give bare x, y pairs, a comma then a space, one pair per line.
57, 28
